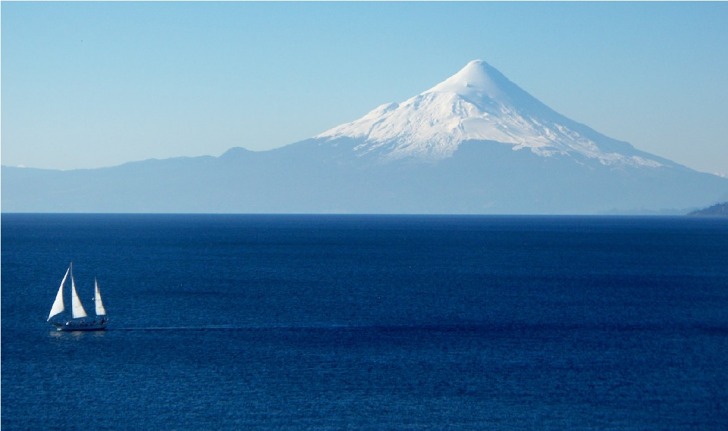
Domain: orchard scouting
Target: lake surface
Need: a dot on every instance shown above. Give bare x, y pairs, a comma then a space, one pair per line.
368, 322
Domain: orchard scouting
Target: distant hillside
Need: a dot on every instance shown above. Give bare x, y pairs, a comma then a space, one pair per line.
717, 210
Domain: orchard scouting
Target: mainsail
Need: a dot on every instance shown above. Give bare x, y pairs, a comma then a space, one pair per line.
100, 310
77, 307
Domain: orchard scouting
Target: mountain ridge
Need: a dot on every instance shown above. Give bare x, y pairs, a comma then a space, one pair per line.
717, 210
475, 143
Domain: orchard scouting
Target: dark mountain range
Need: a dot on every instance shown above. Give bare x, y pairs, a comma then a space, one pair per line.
717, 210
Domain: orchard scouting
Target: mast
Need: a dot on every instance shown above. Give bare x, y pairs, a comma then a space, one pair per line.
77, 307
100, 310
58, 307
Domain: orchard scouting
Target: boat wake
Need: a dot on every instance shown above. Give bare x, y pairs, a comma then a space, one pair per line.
460, 328
182, 328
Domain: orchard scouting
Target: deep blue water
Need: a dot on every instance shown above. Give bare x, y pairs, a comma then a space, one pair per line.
368, 322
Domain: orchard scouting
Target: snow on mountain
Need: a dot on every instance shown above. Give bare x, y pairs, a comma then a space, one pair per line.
478, 103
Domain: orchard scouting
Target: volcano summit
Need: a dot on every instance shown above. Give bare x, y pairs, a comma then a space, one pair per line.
475, 143
480, 104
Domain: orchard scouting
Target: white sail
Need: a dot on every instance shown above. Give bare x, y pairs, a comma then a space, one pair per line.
78, 310
100, 310
58, 307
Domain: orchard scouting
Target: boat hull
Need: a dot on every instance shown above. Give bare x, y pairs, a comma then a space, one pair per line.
72, 325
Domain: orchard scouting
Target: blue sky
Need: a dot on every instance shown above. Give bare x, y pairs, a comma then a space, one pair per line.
99, 84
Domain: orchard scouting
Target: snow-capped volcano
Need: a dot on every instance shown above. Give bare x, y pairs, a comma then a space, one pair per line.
473, 144
478, 103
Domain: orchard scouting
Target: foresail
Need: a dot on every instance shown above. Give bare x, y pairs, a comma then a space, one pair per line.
78, 310
58, 307
100, 310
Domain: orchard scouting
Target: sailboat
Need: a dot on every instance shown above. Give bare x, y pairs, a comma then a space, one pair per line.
79, 320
